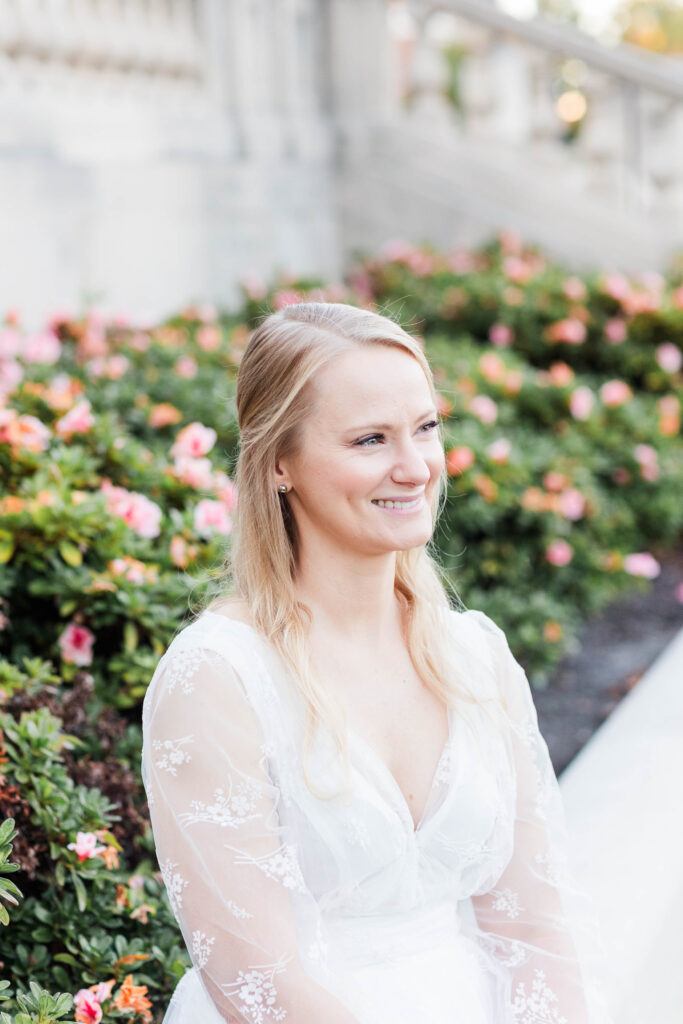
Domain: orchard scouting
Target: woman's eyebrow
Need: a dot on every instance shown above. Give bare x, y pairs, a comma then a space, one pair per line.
389, 426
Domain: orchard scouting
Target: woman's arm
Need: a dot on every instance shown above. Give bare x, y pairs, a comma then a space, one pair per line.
535, 921
231, 877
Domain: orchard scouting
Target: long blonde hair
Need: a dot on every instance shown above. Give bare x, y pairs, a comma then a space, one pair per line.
275, 394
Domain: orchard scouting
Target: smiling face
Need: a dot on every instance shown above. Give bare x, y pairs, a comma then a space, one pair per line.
373, 437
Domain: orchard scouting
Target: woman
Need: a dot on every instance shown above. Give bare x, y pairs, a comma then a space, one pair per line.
355, 815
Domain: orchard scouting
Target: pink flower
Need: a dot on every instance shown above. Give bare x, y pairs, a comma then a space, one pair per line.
211, 517
679, 593
186, 367
616, 330
561, 374
10, 344
572, 503
140, 341
554, 481
11, 375
499, 451
208, 338
76, 644
669, 357
501, 335
286, 297
484, 408
88, 1008
616, 285
492, 366
254, 286
574, 289
117, 366
642, 563
86, 845
41, 348
559, 553
615, 392
516, 269
510, 241
647, 457
581, 403
225, 489
571, 331
194, 440
78, 420
461, 261
142, 515
197, 473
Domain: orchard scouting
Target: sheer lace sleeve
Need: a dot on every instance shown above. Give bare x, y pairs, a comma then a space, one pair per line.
231, 875
535, 921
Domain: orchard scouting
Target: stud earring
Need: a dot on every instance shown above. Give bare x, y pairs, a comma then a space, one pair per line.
282, 488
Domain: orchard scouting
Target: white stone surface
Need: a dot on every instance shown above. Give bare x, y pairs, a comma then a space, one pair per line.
623, 796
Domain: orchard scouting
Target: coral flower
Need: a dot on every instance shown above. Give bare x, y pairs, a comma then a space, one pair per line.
459, 459
164, 414
615, 392
484, 408
78, 420
132, 997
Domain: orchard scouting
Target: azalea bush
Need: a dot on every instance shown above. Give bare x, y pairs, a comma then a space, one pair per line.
560, 397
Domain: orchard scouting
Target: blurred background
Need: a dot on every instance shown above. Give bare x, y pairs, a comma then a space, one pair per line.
152, 152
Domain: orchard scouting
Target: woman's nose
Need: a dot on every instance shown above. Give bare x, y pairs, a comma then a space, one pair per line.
410, 464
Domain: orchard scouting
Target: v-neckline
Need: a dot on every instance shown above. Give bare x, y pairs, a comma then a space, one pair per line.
365, 748
371, 754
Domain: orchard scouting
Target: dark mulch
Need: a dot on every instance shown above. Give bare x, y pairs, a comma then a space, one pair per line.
616, 649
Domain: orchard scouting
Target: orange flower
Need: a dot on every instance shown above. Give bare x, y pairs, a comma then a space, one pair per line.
141, 913
11, 505
459, 459
486, 487
164, 414
110, 856
121, 896
552, 631
132, 997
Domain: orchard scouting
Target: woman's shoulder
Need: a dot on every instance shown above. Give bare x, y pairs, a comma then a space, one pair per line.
218, 635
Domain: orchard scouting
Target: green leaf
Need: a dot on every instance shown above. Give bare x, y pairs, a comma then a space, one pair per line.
4, 916
130, 637
81, 894
7, 545
6, 830
70, 553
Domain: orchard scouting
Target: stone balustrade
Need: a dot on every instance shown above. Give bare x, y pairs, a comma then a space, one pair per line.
509, 77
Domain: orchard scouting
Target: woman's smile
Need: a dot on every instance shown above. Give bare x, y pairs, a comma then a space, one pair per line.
399, 506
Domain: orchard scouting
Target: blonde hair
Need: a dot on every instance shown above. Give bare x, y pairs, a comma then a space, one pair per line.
275, 395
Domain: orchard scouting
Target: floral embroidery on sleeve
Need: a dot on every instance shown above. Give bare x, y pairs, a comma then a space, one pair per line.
257, 993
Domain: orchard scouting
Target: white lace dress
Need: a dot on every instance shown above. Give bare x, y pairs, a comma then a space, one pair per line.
304, 910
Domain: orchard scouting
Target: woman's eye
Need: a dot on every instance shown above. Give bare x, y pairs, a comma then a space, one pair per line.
363, 442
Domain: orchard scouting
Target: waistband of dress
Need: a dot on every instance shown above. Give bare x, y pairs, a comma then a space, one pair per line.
391, 936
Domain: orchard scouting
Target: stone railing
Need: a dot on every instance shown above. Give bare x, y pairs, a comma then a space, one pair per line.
150, 46
611, 117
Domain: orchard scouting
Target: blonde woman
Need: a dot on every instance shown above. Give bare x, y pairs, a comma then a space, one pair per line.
355, 815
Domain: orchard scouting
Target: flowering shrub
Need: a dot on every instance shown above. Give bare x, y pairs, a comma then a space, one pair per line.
560, 398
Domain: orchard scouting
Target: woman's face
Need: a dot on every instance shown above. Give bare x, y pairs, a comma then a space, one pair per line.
373, 437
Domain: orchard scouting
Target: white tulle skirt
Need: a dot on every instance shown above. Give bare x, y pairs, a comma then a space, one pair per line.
443, 978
